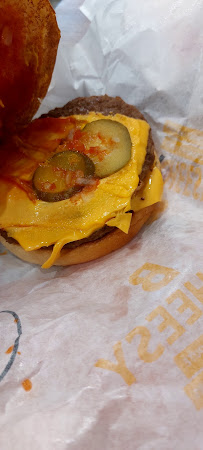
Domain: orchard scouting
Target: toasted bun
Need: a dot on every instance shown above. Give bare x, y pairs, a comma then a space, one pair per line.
88, 251
29, 38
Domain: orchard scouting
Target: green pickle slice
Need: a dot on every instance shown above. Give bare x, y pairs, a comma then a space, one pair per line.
62, 176
114, 143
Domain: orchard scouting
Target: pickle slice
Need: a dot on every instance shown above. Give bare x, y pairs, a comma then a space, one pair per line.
62, 176
112, 144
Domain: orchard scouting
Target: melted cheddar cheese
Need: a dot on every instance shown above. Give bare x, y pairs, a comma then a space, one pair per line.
37, 224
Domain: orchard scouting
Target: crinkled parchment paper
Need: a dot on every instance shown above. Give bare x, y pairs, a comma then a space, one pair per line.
112, 350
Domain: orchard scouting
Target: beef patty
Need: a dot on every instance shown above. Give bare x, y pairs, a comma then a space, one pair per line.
107, 106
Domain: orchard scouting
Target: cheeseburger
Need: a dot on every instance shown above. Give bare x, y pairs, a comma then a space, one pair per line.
81, 181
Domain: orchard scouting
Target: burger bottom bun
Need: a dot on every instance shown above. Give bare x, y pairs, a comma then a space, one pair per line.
88, 251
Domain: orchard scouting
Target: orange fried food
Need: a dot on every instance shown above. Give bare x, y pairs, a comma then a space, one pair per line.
29, 38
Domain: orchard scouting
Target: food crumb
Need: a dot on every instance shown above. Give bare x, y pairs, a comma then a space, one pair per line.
27, 384
10, 349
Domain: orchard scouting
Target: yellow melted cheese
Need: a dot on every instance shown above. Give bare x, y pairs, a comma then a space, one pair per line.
39, 224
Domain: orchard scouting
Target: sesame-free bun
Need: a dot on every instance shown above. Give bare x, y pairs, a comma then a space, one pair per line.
89, 251
28, 48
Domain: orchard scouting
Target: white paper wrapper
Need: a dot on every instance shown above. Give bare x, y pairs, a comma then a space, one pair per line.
116, 359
